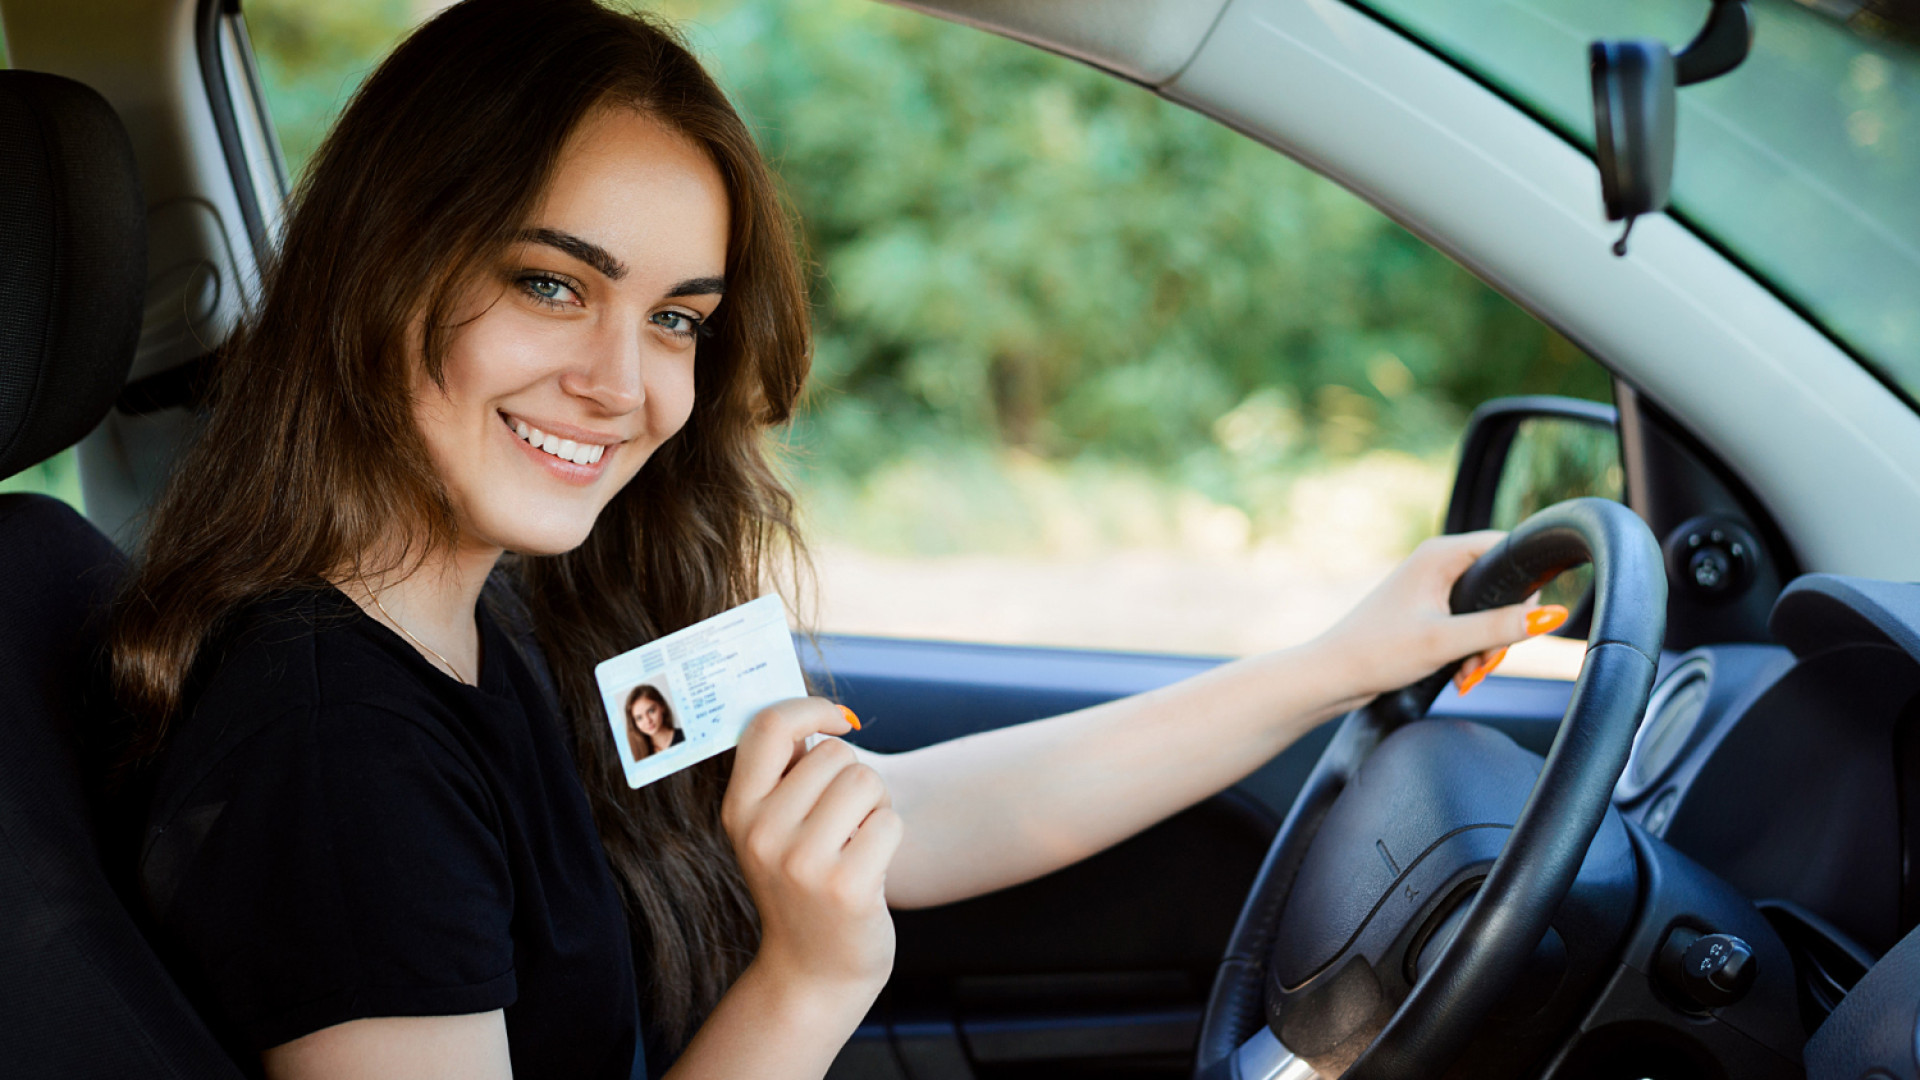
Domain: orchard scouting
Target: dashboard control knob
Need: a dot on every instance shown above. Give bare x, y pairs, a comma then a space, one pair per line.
1711, 568
1712, 558
1708, 970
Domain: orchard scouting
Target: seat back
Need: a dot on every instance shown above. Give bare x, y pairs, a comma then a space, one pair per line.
82, 994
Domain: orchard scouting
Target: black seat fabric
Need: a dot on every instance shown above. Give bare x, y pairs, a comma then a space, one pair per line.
82, 995
74, 264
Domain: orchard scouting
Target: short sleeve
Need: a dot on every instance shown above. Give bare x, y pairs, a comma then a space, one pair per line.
348, 863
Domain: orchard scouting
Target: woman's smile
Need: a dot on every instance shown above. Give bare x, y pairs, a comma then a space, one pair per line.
569, 454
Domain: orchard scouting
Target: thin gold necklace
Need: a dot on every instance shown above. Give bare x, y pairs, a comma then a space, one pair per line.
448, 664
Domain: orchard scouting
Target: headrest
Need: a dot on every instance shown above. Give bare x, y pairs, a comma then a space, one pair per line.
73, 263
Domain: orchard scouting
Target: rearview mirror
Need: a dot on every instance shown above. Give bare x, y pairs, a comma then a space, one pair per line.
1633, 107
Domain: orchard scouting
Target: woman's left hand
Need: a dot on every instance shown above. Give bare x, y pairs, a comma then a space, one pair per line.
1405, 628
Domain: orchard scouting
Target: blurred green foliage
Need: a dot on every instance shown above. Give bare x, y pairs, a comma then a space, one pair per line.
1015, 253
1015, 249
313, 54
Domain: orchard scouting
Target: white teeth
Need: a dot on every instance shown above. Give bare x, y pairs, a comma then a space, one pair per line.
580, 453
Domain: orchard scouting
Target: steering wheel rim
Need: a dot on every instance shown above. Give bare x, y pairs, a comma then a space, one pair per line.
1531, 877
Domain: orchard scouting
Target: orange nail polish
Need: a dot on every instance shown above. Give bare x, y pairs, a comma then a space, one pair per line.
1545, 620
851, 719
1473, 678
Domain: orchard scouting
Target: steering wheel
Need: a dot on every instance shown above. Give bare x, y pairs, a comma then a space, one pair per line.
1351, 1027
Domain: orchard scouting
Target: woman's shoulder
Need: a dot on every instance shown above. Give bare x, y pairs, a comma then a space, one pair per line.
295, 678
307, 646
299, 649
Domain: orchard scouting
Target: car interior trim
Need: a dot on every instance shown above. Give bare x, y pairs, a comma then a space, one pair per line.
1143, 41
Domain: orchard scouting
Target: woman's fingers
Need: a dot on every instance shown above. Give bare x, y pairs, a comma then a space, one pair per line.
1502, 626
871, 850
793, 798
855, 792
1484, 631
768, 746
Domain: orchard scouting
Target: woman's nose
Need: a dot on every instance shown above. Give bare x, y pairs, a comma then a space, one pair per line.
610, 371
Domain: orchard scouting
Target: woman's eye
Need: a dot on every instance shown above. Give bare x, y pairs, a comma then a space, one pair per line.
550, 291
680, 324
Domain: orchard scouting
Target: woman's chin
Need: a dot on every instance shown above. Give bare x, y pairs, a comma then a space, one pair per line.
542, 538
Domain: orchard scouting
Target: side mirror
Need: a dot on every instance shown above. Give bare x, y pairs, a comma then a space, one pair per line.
1522, 454
1525, 453
1633, 107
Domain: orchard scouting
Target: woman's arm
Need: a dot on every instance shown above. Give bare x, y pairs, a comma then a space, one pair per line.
1006, 806
470, 1047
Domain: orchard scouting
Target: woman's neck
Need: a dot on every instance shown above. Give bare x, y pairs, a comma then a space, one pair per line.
432, 606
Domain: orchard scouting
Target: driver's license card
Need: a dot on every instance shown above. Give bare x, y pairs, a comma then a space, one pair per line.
686, 697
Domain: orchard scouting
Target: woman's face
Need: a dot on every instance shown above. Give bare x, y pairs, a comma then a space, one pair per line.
646, 716
574, 358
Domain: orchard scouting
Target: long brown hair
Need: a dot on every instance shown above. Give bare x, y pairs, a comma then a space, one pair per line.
429, 174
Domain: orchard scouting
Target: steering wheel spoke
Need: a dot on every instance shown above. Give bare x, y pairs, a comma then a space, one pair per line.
1264, 1057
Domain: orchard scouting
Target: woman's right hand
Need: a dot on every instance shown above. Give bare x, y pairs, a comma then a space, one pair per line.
814, 831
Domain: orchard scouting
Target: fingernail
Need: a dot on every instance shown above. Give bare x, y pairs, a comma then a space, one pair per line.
1473, 678
1545, 620
851, 719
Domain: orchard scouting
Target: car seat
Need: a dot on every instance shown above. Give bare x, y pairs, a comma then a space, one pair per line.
82, 994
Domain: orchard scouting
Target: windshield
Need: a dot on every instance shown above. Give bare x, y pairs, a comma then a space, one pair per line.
1804, 163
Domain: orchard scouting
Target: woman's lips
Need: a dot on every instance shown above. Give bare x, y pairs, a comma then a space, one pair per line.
563, 461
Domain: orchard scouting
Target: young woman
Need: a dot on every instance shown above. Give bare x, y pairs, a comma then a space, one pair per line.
650, 726
508, 385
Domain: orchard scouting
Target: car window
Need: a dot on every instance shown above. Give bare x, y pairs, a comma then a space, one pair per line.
1803, 162
1091, 370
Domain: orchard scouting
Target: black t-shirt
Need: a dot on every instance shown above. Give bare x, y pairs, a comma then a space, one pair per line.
340, 830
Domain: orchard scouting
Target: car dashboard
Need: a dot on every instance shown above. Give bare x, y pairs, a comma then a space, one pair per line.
1792, 771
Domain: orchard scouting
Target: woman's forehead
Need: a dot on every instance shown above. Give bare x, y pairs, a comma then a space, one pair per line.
641, 192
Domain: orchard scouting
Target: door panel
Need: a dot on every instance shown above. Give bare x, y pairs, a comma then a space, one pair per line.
1101, 968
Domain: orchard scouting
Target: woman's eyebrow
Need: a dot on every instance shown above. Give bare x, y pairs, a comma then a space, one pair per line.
585, 250
700, 286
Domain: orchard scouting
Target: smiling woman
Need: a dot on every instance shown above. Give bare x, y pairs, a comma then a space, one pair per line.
526, 327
